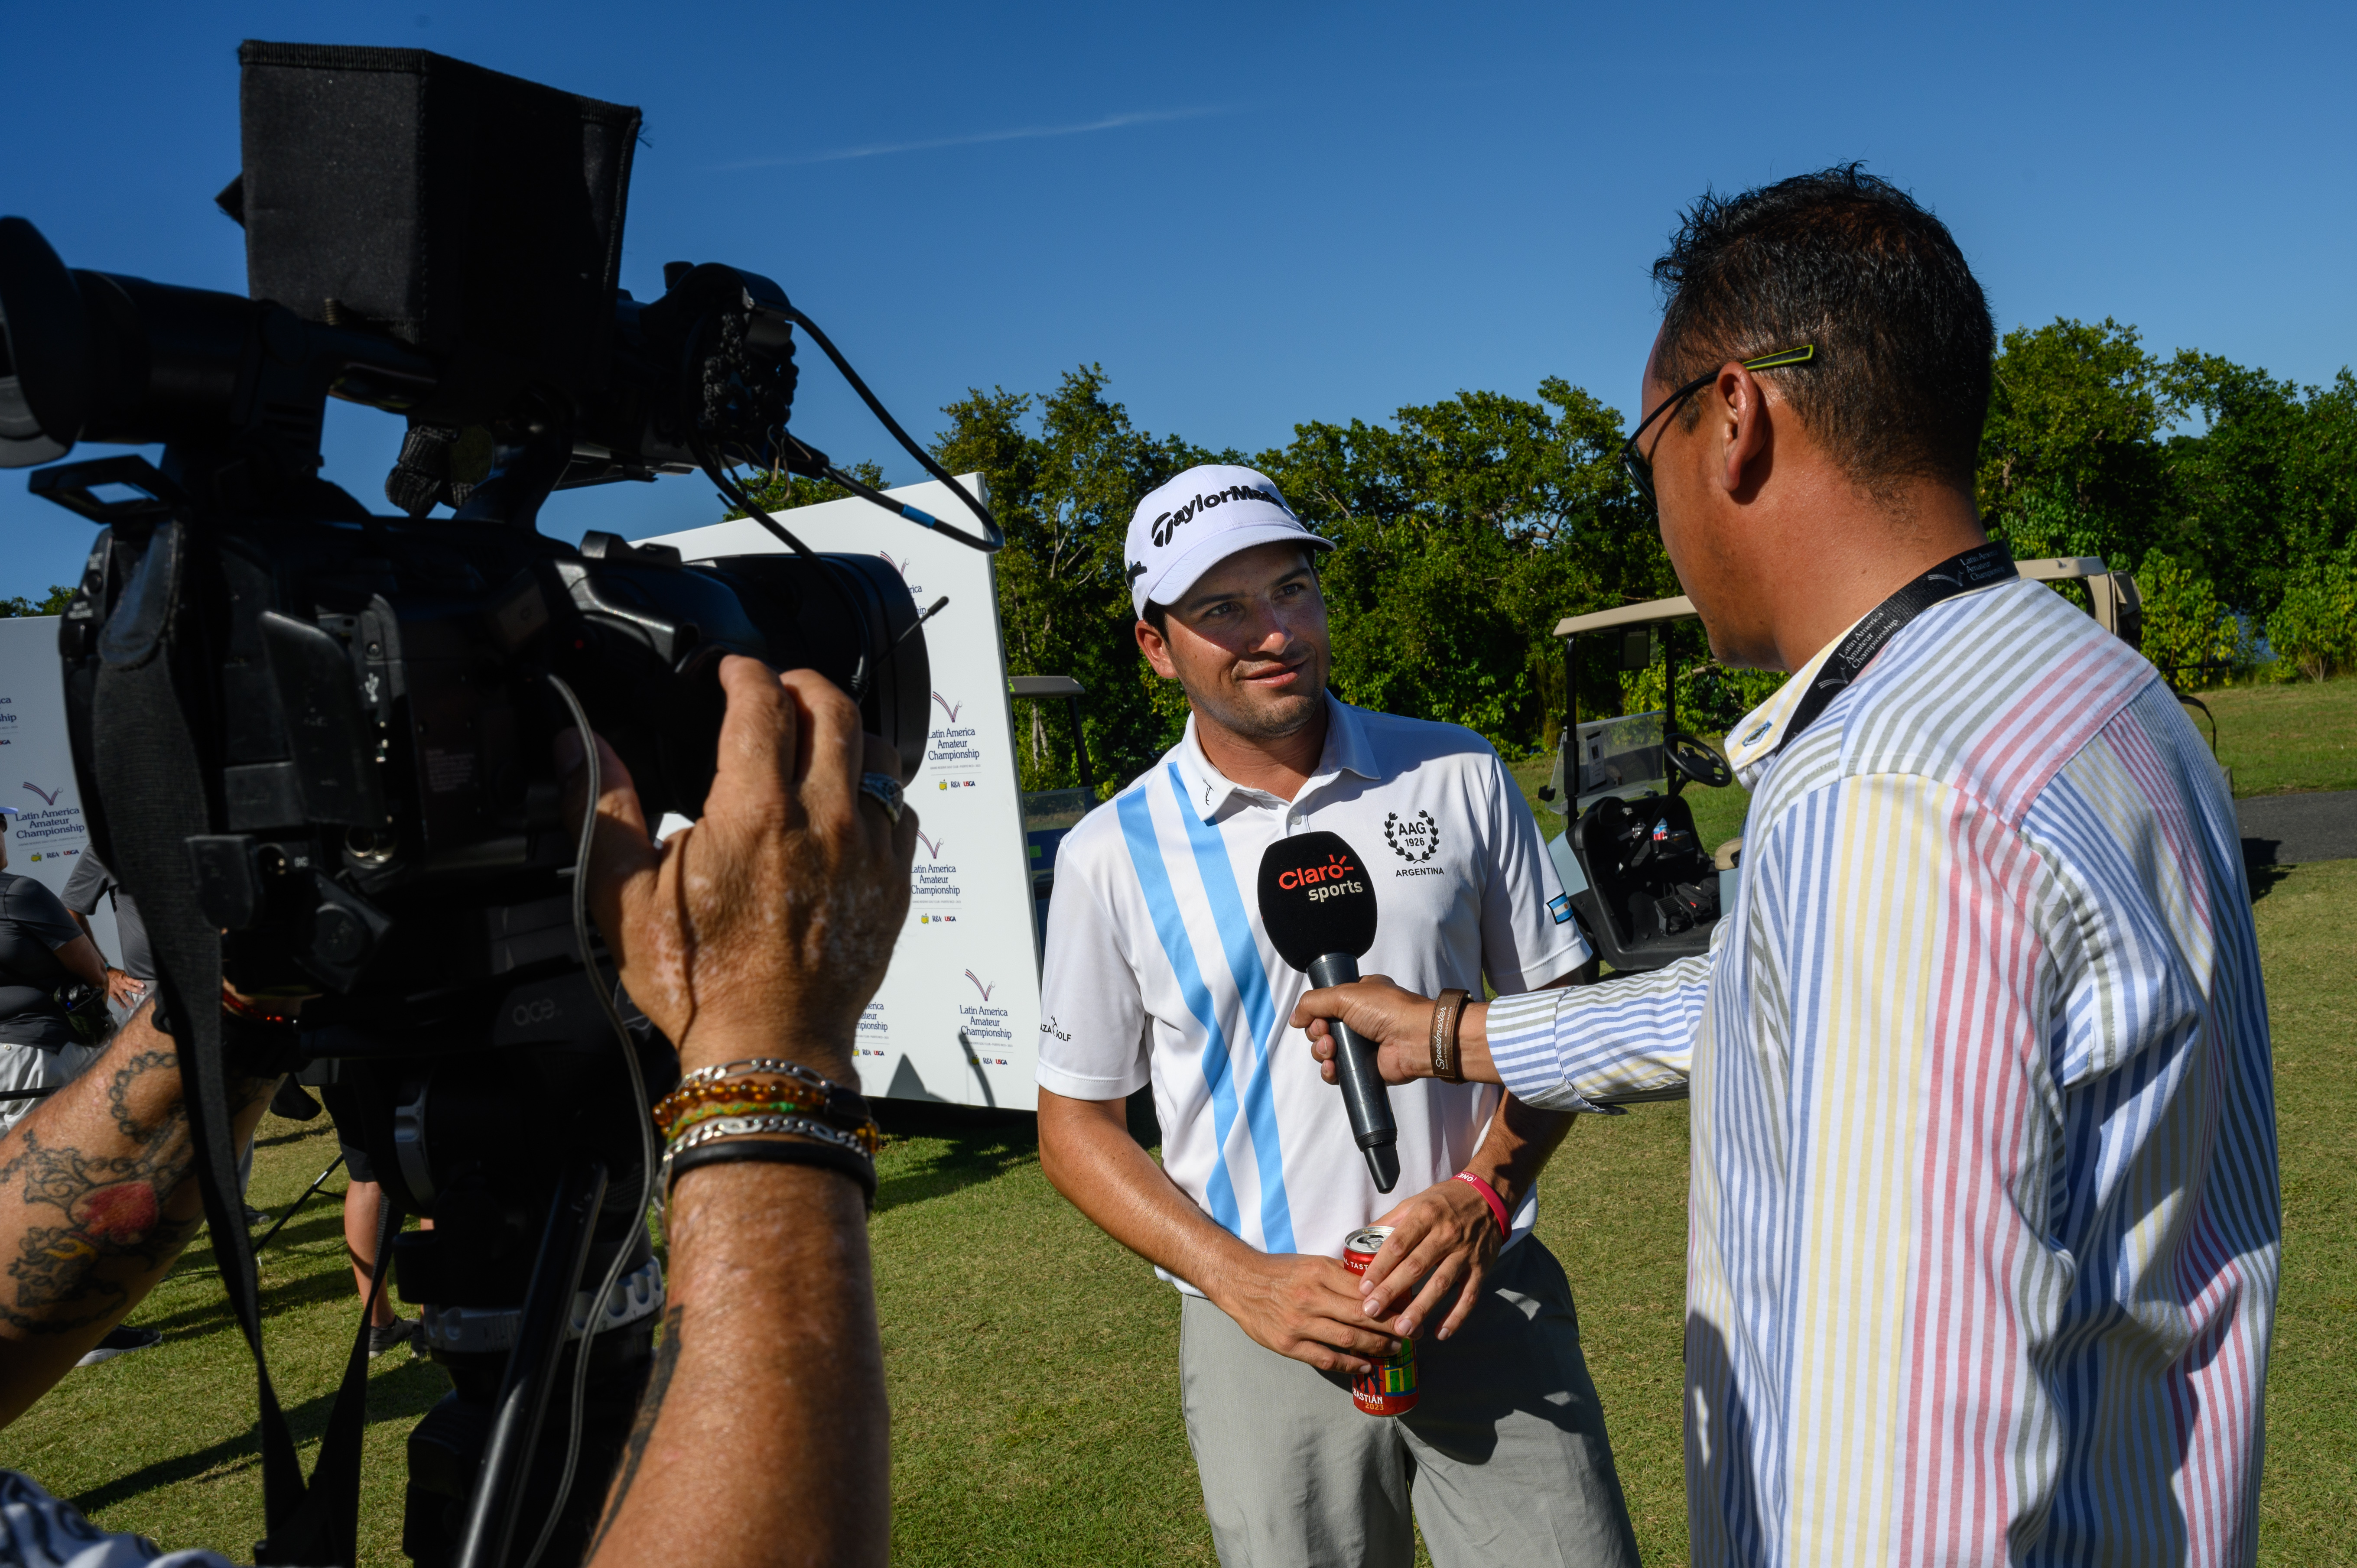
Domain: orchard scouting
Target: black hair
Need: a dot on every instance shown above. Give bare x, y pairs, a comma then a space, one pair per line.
1852, 264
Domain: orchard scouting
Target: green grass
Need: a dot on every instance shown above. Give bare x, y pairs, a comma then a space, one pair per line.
2278, 738
2307, 918
1033, 1363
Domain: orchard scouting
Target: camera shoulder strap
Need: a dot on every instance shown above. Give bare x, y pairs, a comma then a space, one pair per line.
154, 802
1975, 568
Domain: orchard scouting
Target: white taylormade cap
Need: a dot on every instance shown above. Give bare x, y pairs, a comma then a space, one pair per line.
1198, 520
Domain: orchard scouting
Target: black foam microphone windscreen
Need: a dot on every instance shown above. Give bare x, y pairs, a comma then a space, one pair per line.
1318, 904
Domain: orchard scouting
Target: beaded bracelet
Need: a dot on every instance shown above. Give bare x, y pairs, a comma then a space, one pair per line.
846, 1107
698, 1121
682, 1102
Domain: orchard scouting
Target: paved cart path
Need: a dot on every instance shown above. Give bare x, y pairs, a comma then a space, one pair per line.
2294, 829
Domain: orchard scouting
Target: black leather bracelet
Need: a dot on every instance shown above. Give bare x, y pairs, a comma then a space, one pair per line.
782, 1152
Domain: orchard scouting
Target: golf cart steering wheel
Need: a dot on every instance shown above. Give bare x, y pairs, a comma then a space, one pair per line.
1695, 761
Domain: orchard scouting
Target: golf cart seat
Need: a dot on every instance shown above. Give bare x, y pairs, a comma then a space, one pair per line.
1653, 891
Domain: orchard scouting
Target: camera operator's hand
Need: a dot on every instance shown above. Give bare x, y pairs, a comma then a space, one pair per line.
765, 928
760, 932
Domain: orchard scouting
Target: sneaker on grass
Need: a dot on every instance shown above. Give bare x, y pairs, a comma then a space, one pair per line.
121, 1340
399, 1331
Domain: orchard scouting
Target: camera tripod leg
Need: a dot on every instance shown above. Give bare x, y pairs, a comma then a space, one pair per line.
532, 1368
316, 1184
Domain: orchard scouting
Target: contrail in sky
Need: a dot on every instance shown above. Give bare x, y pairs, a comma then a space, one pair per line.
1020, 133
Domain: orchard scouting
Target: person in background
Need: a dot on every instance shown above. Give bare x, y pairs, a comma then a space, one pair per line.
760, 932
1160, 970
43, 946
127, 984
363, 1207
1986, 1222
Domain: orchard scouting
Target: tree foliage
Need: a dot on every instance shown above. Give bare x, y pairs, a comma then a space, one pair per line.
1466, 529
2220, 485
1064, 495
1463, 534
54, 604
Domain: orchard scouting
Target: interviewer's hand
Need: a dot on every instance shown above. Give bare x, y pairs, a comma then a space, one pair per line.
1397, 1021
766, 927
1305, 1307
1444, 1236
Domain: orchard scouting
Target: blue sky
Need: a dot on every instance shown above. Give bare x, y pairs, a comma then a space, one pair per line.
1254, 215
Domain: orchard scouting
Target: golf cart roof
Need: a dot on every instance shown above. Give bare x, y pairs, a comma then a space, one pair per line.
2041, 569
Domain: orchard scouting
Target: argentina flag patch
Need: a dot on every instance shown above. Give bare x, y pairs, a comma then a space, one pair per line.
1560, 908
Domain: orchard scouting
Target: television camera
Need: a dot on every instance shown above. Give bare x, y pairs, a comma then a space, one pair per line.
316, 744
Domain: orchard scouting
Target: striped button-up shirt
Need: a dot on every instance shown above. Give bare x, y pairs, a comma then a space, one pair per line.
1985, 1228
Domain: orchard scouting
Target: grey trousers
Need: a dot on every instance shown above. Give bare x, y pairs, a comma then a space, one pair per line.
1504, 1456
30, 1067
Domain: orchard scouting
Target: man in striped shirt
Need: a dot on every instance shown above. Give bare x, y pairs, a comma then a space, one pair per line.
1985, 1228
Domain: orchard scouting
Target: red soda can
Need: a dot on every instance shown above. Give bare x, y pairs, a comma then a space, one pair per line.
1390, 1388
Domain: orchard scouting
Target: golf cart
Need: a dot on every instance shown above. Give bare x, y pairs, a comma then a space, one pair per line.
1642, 885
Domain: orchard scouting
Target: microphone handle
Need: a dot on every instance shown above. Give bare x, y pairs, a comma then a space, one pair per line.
1364, 1095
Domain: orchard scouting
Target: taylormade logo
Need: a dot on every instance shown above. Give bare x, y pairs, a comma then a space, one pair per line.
1169, 522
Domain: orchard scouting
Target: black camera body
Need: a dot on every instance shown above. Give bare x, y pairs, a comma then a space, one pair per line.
371, 699
318, 744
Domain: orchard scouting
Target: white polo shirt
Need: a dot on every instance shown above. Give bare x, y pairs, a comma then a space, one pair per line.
1159, 970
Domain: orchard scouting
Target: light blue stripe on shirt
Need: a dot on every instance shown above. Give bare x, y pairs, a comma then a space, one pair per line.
1260, 1012
1153, 881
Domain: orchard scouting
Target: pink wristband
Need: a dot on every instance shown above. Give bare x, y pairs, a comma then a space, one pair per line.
1489, 1196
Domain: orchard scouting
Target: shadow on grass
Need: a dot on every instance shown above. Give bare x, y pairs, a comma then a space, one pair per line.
301, 1131
403, 1393
2263, 880
980, 1145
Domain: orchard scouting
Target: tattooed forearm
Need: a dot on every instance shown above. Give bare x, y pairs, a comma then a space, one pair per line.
641, 1430
68, 1268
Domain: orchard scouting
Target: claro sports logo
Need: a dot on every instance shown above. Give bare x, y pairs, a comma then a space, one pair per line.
1326, 881
1169, 522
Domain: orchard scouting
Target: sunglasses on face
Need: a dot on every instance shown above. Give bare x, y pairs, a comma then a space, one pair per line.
1639, 464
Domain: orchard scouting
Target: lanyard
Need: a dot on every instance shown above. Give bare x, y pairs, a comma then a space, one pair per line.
1975, 568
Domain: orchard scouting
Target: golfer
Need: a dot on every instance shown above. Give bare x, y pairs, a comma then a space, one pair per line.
1984, 1221
1158, 971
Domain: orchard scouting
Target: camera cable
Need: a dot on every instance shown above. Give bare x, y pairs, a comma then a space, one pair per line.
993, 538
647, 1153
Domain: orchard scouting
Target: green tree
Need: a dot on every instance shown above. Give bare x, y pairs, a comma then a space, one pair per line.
1064, 496
2314, 627
53, 604
2236, 482
2072, 458
2188, 633
1464, 533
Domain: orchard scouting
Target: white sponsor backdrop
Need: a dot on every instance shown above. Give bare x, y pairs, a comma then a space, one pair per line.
958, 1016
37, 773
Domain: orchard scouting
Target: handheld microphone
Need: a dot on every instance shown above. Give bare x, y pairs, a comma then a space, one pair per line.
1318, 904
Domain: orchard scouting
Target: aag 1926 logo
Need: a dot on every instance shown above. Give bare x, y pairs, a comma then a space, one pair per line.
1414, 839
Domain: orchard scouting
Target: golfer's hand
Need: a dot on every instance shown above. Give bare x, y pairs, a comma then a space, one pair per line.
1398, 1021
764, 928
1307, 1309
122, 990
1444, 1236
